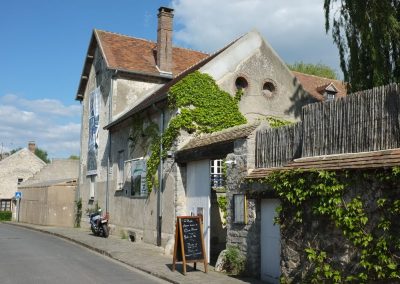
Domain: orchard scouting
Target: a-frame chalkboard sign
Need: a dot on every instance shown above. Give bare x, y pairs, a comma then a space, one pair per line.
189, 242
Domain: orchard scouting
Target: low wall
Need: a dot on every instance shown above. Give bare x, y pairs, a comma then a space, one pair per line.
49, 206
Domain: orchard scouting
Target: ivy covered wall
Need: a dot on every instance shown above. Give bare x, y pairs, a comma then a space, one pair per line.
337, 226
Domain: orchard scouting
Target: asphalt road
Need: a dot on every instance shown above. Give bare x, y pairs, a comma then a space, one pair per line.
28, 256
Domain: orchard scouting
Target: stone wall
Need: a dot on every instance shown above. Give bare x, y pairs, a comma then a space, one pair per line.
244, 236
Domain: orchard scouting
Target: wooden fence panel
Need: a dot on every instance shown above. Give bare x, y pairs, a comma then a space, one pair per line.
277, 146
361, 122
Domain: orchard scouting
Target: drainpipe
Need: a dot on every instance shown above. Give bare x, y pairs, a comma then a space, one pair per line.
109, 140
160, 178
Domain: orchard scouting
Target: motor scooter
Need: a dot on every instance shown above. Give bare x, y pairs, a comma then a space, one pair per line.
99, 224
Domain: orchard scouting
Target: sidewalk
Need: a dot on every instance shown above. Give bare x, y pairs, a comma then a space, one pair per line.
145, 257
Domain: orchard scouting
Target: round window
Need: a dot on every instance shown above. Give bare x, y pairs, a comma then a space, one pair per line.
268, 89
241, 83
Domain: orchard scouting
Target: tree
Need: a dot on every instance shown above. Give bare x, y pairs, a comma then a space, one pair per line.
367, 34
42, 154
15, 150
319, 69
73, 157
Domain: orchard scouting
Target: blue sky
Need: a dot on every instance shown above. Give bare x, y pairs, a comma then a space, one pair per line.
44, 42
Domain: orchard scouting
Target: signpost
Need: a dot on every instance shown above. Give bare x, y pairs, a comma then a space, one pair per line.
18, 196
189, 242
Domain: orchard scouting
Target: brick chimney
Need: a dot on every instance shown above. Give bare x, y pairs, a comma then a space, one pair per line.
164, 39
32, 146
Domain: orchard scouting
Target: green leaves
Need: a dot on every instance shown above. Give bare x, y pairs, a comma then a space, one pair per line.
204, 108
367, 35
330, 195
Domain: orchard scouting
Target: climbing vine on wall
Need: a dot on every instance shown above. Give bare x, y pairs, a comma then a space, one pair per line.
370, 225
203, 108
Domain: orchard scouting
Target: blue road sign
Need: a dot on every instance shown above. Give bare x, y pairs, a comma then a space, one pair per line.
18, 194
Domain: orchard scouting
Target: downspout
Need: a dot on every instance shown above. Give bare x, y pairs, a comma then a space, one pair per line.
160, 178
109, 140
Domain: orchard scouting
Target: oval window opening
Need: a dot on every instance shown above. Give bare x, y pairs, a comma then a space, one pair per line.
241, 83
268, 89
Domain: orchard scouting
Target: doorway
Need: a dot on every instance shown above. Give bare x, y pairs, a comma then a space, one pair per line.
270, 242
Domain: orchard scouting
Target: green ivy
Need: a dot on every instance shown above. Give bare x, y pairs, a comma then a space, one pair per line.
275, 122
223, 205
204, 108
326, 194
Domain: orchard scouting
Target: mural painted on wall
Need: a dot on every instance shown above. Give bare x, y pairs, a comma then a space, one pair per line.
93, 131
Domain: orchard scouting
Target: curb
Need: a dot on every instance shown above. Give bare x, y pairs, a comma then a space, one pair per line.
100, 251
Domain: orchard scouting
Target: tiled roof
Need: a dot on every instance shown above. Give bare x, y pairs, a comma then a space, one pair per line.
312, 85
364, 160
133, 54
226, 135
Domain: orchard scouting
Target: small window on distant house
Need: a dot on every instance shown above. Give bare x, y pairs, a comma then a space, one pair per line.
241, 83
268, 89
20, 180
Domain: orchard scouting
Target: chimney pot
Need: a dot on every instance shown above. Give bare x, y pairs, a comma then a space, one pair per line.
32, 146
164, 39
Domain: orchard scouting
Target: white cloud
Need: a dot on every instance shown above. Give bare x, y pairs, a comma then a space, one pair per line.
295, 29
54, 126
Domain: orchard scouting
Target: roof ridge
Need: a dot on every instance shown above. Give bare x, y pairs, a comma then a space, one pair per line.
124, 35
150, 41
211, 55
316, 76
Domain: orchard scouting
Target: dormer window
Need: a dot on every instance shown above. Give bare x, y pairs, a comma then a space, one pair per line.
330, 96
329, 91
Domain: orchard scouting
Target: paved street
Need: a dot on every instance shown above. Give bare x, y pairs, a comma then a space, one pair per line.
28, 256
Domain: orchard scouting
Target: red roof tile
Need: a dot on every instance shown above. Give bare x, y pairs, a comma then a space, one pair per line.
312, 84
138, 55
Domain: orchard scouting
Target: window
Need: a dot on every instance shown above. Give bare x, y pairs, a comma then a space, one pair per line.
217, 179
241, 83
330, 96
20, 180
239, 209
91, 187
5, 205
120, 173
268, 89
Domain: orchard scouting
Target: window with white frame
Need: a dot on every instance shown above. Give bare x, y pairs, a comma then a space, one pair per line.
217, 179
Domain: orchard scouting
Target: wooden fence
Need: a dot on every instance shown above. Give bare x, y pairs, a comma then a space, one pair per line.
361, 122
277, 146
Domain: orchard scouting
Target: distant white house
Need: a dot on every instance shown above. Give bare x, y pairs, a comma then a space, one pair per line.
14, 170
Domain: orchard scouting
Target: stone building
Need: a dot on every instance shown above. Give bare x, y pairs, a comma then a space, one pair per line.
14, 170
364, 159
124, 90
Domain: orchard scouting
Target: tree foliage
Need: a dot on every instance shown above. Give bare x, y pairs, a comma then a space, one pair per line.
42, 154
319, 69
73, 157
367, 34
